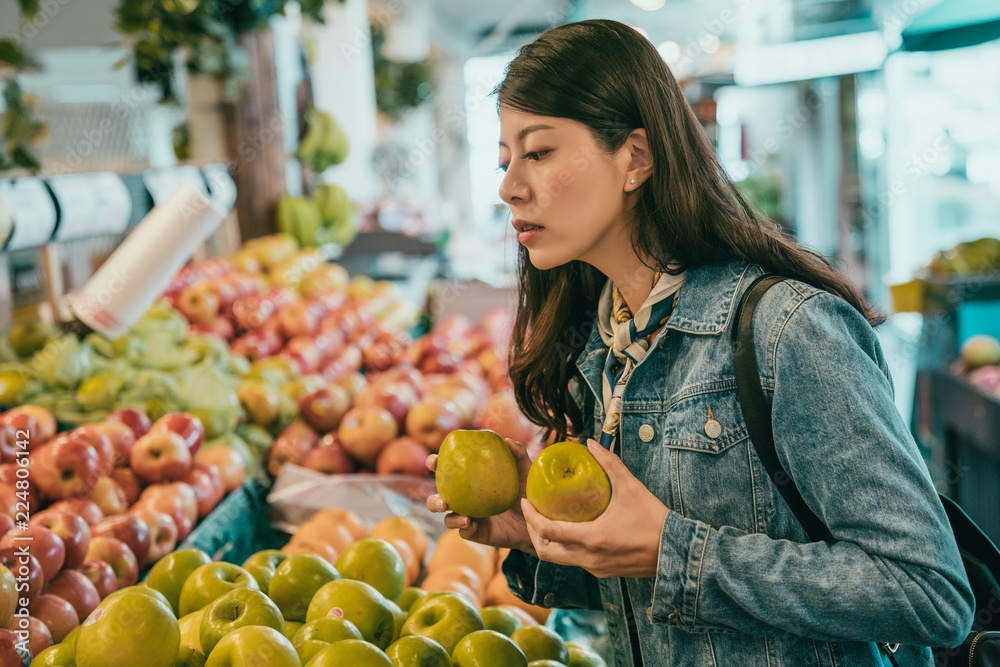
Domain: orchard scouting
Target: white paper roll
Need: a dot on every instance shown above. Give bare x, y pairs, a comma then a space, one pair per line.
140, 269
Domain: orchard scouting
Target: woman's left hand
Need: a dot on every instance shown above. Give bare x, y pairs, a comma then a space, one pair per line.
623, 542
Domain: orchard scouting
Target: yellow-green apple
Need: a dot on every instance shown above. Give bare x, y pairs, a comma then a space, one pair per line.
8, 595
231, 464
109, 497
430, 420
260, 398
364, 431
190, 627
500, 620
118, 555
101, 575
206, 481
236, 609
540, 643
106, 455
481, 646
128, 629
269, 558
403, 456
59, 655
185, 425
134, 418
360, 604
295, 582
56, 614
128, 483
583, 656
254, 645
313, 637
71, 637
76, 589
81, 507
33, 631
410, 595
199, 302
328, 278
188, 656
476, 474
141, 589
121, 436
325, 407
262, 574
211, 581
418, 650
160, 456
162, 533
128, 528
350, 652
170, 572
566, 483
375, 562
65, 469
329, 457
41, 543
30, 577
291, 627
445, 619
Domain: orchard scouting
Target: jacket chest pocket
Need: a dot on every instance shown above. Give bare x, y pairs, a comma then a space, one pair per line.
715, 475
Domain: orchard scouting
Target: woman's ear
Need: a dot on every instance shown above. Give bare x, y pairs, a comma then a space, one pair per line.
640, 164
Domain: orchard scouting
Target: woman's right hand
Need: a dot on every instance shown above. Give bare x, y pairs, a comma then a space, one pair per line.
508, 529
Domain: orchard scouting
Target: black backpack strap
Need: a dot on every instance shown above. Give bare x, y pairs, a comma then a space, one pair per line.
757, 411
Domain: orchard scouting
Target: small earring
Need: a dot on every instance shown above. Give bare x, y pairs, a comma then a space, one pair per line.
632, 181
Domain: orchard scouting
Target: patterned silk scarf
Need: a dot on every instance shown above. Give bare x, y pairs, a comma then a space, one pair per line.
626, 335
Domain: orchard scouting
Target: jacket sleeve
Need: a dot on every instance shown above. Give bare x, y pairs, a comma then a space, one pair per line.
894, 575
548, 585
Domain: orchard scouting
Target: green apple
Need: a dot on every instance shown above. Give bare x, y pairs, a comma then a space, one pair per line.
427, 597
398, 617
540, 643
261, 574
360, 604
410, 595
476, 474
374, 562
236, 609
486, 648
60, 655
328, 630
309, 649
71, 637
129, 629
500, 620
545, 663
189, 656
296, 581
445, 619
190, 627
566, 483
8, 596
583, 656
212, 581
141, 590
269, 558
291, 627
170, 572
253, 646
350, 653
417, 651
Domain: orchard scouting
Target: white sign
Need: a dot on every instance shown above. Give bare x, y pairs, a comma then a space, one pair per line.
90, 205
33, 210
809, 59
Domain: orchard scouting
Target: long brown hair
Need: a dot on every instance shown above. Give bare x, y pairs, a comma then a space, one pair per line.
607, 76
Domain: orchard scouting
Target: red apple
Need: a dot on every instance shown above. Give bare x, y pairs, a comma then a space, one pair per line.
365, 431
396, 397
106, 454
9, 444
74, 587
354, 383
6, 524
284, 451
133, 418
429, 421
42, 543
185, 425
403, 456
8, 654
409, 375
129, 483
131, 530
56, 614
38, 636
501, 414
324, 408
118, 555
71, 529
219, 327
44, 419
25, 568
9, 478
121, 436
109, 497
159, 499
207, 484
82, 507
346, 362
66, 468
162, 533
232, 467
28, 435
329, 457
252, 310
298, 319
101, 575
180, 493
199, 302
257, 344
159, 456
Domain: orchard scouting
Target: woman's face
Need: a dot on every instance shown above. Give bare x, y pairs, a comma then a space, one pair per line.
565, 193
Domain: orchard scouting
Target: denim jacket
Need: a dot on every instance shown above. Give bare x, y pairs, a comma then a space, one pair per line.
738, 583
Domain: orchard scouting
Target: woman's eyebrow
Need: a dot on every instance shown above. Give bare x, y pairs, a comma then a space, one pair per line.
528, 130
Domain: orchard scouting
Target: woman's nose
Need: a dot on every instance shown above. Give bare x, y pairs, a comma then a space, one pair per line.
512, 187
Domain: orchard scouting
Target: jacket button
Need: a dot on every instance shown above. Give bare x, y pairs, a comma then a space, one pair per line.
646, 432
549, 599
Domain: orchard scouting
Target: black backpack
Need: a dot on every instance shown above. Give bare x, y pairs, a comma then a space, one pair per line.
979, 555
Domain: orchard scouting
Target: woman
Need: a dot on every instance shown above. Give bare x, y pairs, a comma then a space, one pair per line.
621, 208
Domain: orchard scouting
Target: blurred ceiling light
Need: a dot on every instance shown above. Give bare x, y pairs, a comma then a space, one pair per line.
669, 51
649, 5
710, 43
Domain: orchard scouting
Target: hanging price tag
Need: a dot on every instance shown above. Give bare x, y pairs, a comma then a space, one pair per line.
161, 183
33, 211
221, 186
90, 205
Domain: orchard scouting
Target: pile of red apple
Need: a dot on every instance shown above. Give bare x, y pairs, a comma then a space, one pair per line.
388, 421
97, 504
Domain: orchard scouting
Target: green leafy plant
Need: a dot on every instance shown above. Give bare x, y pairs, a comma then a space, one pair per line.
19, 129
399, 86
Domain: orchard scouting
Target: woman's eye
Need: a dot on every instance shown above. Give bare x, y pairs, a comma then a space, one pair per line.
535, 156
